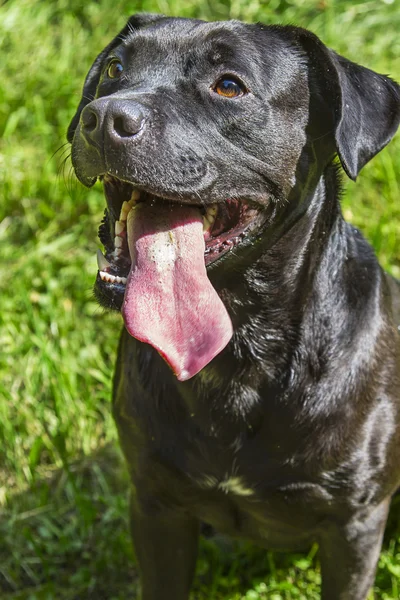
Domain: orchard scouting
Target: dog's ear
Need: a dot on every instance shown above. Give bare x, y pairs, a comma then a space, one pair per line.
134, 23
366, 105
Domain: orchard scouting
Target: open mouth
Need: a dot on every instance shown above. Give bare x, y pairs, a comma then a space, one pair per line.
225, 226
154, 270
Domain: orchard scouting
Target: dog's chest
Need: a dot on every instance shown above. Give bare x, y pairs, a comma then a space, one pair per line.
229, 484
244, 480
243, 469
241, 490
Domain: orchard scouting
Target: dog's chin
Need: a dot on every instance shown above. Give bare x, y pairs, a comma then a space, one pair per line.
228, 226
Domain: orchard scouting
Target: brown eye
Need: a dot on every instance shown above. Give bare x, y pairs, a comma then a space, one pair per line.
229, 87
114, 69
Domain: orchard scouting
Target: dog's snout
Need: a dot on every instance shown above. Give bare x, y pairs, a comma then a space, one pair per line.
120, 120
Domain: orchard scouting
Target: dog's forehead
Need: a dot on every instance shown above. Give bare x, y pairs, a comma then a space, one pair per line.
180, 40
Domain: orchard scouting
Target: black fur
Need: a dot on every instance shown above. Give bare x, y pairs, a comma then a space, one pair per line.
300, 412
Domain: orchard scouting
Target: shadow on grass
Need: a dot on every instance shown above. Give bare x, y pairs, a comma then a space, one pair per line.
67, 535
66, 538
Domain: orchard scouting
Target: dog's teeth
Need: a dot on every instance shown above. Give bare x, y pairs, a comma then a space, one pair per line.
128, 205
117, 252
209, 217
207, 222
135, 196
120, 279
126, 208
102, 262
106, 276
119, 227
118, 241
112, 278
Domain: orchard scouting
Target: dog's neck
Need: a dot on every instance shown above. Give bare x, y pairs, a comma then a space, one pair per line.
267, 300
271, 301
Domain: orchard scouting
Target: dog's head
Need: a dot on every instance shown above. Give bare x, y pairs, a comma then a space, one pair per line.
220, 126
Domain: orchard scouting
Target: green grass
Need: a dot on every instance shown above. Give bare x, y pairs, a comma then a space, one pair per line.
63, 503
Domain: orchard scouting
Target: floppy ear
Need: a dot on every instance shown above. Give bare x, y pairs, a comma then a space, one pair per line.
93, 77
366, 105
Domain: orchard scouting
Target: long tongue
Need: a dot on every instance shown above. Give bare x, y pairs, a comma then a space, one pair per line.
169, 301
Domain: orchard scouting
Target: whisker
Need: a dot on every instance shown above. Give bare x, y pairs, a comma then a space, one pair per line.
60, 148
88, 98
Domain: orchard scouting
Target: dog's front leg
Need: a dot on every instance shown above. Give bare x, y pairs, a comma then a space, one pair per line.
166, 544
349, 555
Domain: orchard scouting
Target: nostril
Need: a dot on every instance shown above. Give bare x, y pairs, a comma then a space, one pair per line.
128, 125
89, 120
120, 127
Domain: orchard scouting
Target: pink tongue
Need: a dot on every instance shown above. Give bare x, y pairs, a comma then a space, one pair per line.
169, 301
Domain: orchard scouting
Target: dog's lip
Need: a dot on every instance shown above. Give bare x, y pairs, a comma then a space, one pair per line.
181, 197
174, 197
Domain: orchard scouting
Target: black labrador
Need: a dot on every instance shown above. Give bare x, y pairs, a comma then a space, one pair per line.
257, 382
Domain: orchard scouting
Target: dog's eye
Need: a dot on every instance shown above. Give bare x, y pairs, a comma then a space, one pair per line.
114, 69
229, 87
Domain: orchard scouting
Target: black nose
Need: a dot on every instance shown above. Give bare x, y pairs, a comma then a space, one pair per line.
120, 120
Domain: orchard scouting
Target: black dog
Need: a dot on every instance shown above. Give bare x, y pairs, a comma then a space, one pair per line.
286, 431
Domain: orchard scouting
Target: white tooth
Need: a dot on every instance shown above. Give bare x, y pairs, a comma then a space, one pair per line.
120, 279
117, 252
119, 227
102, 262
135, 195
112, 278
106, 276
118, 241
